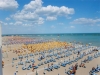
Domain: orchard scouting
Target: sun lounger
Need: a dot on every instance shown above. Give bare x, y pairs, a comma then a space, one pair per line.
56, 66
23, 68
14, 58
35, 67
63, 64
27, 61
32, 60
20, 57
93, 73
21, 63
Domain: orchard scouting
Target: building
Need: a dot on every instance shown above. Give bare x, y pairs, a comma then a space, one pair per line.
1, 72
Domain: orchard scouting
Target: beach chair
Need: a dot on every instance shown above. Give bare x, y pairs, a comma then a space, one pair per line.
30, 55
51, 60
47, 69
71, 68
95, 55
27, 61
63, 64
39, 59
66, 62
93, 73
28, 68
50, 68
55, 54
23, 68
57, 57
21, 63
54, 60
81, 56
48, 61
14, 58
68, 72
39, 64
26, 56
35, 67
45, 61
42, 63
56, 66
20, 57
89, 58
32, 60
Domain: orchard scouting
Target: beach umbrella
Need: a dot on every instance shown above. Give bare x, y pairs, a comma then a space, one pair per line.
36, 72
65, 70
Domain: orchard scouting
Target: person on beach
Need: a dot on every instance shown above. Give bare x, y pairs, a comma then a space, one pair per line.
52, 66
82, 65
48, 65
73, 71
93, 68
2, 64
78, 52
76, 66
33, 67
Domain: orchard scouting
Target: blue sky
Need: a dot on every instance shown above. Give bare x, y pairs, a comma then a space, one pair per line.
49, 16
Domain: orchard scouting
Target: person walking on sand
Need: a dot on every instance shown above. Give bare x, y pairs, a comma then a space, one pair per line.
33, 67
48, 65
51, 64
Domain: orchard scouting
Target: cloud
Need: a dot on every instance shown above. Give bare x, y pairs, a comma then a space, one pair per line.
18, 23
33, 5
27, 25
52, 26
98, 11
1, 22
72, 26
54, 11
85, 21
61, 23
51, 18
40, 21
7, 19
11, 23
98, 25
36, 13
8, 4
5, 24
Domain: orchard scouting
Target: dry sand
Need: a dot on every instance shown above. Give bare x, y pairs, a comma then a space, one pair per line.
9, 70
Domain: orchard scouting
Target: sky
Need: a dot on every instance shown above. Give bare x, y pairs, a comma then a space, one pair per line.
49, 16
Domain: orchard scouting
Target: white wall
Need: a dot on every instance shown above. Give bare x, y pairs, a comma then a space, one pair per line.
0, 36
0, 52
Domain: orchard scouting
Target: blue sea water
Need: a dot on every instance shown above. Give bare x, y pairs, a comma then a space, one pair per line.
85, 38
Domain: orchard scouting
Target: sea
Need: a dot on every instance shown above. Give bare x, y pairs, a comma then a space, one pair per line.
82, 38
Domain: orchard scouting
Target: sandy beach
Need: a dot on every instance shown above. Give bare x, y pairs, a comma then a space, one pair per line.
68, 52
